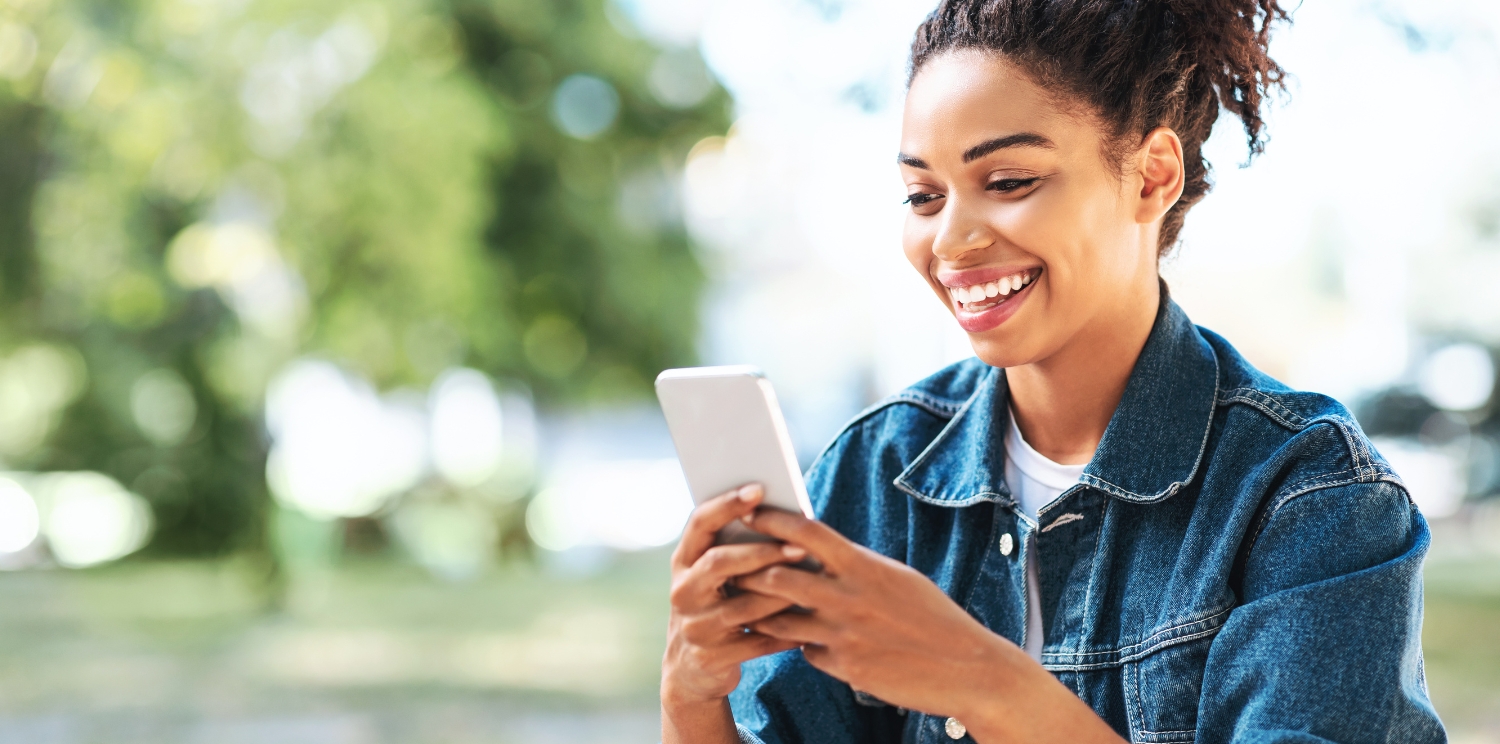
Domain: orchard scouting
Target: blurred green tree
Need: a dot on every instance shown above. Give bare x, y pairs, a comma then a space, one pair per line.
194, 192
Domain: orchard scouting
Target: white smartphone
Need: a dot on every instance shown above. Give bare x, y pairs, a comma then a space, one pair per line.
729, 432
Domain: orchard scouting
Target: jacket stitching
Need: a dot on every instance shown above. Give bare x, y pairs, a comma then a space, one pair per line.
1132, 496
977, 498
1140, 710
1123, 660
1174, 734
1364, 463
1176, 486
746, 736
1088, 592
1319, 483
1268, 404
1361, 452
1156, 641
1208, 430
939, 406
900, 481
1204, 620
935, 406
1130, 678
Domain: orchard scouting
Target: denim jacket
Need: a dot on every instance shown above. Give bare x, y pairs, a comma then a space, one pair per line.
1237, 563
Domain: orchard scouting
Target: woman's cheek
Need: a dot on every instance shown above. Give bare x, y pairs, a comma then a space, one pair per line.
916, 242
1025, 225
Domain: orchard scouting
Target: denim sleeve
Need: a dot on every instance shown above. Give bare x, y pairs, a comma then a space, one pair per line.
784, 700
1327, 643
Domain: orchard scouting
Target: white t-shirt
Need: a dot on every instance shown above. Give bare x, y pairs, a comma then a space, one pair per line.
1035, 481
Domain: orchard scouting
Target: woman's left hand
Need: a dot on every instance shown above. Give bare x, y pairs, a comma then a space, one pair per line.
886, 629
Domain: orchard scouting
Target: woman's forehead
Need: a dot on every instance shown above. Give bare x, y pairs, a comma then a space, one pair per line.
962, 99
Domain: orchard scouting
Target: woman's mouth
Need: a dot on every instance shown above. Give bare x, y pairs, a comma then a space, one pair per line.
980, 307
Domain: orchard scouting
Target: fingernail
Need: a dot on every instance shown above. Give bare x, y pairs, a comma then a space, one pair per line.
750, 492
748, 518
793, 552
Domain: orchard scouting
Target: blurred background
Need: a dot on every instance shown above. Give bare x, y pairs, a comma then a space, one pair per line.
327, 331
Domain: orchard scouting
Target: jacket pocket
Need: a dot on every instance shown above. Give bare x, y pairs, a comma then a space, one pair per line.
1162, 691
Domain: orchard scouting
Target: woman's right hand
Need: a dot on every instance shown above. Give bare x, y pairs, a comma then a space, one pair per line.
706, 636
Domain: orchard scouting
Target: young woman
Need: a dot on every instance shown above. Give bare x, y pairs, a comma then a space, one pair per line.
1107, 526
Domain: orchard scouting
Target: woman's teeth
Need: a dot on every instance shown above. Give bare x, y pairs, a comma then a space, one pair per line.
976, 293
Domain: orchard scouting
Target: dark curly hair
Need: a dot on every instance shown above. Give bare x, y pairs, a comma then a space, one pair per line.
1136, 64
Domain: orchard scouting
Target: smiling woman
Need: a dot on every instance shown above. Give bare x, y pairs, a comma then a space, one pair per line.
1107, 526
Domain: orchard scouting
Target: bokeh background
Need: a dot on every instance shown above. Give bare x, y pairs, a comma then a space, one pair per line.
327, 330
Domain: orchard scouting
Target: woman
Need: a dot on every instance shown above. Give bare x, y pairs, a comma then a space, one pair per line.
1107, 526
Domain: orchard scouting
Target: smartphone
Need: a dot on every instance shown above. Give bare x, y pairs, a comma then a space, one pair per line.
729, 432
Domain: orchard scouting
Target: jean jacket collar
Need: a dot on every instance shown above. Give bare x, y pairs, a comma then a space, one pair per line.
1152, 447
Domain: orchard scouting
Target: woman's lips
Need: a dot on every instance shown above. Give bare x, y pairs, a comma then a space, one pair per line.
989, 316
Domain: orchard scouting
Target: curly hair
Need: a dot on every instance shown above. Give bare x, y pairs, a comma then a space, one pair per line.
1136, 64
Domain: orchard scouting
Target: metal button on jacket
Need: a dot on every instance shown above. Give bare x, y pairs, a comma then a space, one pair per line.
954, 728
1007, 544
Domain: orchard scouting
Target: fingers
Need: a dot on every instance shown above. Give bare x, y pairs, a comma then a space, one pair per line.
755, 645
800, 587
749, 607
825, 544
698, 586
795, 628
710, 517
726, 621
723, 561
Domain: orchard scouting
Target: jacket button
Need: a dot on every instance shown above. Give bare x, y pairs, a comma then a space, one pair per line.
954, 728
1007, 544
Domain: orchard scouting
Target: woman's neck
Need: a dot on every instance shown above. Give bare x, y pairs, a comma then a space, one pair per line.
1063, 403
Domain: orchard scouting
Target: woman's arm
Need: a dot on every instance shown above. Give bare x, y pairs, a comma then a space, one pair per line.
1328, 641
706, 640
887, 630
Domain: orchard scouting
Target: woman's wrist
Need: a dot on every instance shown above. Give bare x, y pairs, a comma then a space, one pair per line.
684, 704
1012, 698
991, 691
697, 720
674, 699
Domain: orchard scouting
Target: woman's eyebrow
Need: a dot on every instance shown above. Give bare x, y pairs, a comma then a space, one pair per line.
1023, 139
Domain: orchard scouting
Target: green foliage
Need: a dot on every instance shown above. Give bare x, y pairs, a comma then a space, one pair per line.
193, 192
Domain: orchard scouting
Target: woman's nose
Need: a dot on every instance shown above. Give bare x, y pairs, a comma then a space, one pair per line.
961, 231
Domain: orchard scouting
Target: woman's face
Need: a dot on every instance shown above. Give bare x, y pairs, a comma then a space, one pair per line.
1016, 221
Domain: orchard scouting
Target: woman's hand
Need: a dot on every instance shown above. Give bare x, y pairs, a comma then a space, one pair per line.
706, 636
888, 630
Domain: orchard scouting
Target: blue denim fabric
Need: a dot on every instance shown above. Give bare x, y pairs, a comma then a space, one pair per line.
1236, 564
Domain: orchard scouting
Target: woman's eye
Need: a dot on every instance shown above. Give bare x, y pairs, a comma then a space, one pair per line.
1007, 185
919, 200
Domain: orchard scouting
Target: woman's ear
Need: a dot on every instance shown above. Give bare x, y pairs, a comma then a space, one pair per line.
1162, 171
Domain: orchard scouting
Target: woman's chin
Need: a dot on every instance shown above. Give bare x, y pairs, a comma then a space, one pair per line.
998, 353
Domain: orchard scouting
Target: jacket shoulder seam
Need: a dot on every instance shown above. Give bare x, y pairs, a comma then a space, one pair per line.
1346, 477
1355, 444
1266, 403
